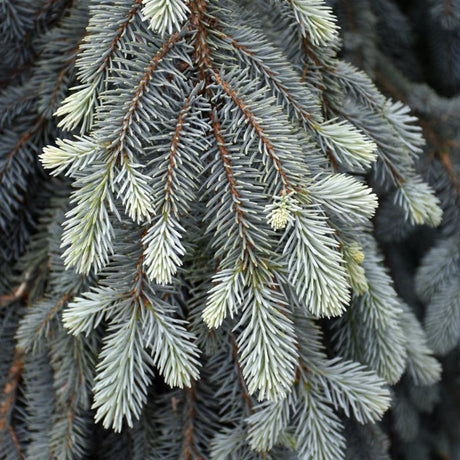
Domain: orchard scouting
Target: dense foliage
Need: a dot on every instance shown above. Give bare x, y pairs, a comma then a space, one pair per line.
188, 246
412, 51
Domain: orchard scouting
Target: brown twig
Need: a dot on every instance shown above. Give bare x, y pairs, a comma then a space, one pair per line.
244, 389
141, 87
174, 146
258, 129
9, 397
189, 450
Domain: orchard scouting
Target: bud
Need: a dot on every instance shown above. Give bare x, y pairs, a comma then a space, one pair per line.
280, 212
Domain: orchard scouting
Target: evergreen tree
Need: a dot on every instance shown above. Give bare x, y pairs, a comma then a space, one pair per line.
195, 274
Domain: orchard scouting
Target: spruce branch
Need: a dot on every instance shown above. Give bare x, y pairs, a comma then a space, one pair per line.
275, 71
219, 226
268, 146
316, 21
78, 107
313, 261
165, 15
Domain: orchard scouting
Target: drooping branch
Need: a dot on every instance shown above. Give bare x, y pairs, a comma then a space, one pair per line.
265, 70
174, 145
115, 43
141, 86
230, 177
288, 186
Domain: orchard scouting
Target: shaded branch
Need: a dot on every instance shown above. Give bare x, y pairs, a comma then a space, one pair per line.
9, 398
